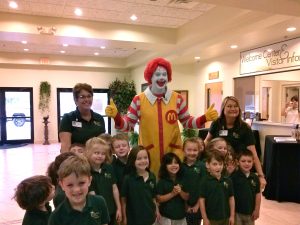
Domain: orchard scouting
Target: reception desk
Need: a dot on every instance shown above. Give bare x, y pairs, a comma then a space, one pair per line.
282, 170
270, 128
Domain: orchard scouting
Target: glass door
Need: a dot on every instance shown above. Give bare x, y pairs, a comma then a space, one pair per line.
16, 115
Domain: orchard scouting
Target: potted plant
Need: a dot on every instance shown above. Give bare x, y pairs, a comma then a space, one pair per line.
122, 92
188, 133
133, 138
44, 98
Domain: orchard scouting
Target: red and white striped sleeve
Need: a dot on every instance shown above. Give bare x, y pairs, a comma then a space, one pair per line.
184, 116
127, 122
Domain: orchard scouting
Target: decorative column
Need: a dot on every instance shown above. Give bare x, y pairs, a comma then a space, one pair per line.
46, 132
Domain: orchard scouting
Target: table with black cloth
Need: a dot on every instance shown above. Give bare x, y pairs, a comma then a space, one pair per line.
203, 132
282, 170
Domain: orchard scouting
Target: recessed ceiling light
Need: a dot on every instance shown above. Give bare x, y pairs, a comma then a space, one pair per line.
133, 17
26, 49
24, 42
291, 29
96, 53
78, 12
197, 57
65, 45
102, 47
62, 52
233, 46
13, 5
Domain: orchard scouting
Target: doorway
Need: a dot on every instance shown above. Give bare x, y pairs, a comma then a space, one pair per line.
265, 103
16, 115
213, 94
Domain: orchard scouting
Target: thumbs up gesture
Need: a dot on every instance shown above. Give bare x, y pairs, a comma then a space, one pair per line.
111, 109
211, 114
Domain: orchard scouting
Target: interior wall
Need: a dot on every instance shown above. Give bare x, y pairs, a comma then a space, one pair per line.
58, 79
244, 90
228, 68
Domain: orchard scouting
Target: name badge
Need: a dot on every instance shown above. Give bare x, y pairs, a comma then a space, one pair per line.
76, 124
223, 133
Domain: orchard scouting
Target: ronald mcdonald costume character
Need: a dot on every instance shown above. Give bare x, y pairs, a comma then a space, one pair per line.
158, 109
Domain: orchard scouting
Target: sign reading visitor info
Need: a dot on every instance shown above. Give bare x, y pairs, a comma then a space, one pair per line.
276, 57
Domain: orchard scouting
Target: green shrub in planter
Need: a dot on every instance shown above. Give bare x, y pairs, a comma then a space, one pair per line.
188, 133
122, 93
44, 97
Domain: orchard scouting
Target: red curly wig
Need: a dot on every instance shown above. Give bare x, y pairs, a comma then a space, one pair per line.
153, 64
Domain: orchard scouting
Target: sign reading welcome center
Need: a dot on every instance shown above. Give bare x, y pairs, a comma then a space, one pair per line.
276, 57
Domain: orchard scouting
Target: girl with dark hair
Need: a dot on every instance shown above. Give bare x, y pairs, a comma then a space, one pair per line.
171, 191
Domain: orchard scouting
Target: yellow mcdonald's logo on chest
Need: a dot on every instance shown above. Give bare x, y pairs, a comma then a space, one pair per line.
171, 116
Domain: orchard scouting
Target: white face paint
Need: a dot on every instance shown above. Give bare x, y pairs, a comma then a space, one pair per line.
159, 80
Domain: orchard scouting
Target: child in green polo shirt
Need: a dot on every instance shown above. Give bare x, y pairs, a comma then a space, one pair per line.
78, 208
120, 145
108, 139
219, 144
77, 148
104, 181
194, 169
216, 193
33, 194
201, 148
246, 190
171, 191
139, 190
226, 150
52, 173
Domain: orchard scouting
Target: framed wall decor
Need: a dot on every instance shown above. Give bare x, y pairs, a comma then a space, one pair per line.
144, 86
184, 94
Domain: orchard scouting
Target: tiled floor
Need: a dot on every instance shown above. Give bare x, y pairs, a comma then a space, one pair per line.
19, 163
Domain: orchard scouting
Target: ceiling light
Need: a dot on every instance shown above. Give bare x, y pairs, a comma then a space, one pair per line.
102, 47
96, 53
65, 45
197, 57
62, 52
13, 5
24, 42
233, 46
133, 17
78, 12
291, 29
26, 49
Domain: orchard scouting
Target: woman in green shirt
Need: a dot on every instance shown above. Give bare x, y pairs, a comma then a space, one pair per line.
82, 124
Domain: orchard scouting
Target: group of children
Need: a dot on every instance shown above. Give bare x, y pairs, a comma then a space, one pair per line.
104, 182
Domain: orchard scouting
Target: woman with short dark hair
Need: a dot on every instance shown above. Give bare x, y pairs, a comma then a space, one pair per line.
82, 124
